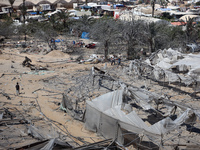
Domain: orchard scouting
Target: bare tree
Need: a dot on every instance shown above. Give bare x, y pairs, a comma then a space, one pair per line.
131, 34
6, 27
45, 32
105, 31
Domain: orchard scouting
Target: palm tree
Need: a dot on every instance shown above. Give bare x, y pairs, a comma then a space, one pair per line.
84, 23
191, 31
52, 20
11, 3
155, 35
23, 10
63, 16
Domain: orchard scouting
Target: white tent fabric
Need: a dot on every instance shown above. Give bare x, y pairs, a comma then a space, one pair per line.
104, 115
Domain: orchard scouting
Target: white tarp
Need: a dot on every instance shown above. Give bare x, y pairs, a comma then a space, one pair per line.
174, 67
168, 58
191, 60
104, 115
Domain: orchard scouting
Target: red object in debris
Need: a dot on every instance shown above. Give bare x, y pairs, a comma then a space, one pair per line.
180, 23
91, 45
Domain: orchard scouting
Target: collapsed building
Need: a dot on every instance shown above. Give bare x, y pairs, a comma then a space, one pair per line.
170, 66
22, 131
134, 115
110, 116
122, 103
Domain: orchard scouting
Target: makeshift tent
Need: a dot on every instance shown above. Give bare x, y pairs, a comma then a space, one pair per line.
27, 3
186, 18
104, 115
43, 2
85, 35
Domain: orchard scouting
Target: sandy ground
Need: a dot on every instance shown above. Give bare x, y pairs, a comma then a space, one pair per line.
12, 71
39, 89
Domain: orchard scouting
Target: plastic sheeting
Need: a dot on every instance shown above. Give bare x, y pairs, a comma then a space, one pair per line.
85, 35
55, 142
104, 115
66, 103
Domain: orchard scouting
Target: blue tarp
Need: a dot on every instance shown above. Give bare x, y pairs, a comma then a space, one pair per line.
58, 40
164, 9
85, 35
118, 5
76, 18
34, 13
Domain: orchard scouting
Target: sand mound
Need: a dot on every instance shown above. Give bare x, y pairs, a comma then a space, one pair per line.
57, 53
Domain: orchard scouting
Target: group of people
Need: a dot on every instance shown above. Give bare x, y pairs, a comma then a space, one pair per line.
114, 59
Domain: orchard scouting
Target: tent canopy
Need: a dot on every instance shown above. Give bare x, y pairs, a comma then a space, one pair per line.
185, 18
43, 2
27, 4
104, 115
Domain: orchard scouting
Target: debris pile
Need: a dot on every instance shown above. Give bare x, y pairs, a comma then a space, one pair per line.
17, 127
148, 105
159, 117
170, 67
27, 63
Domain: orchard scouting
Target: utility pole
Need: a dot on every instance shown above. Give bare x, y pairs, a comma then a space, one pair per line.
153, 7
23, 11
24, 17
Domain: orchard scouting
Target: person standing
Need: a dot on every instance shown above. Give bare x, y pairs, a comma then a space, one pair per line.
119, 61
113, 60
17, 88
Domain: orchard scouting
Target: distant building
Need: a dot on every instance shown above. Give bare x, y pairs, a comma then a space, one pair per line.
5, 10
45, 7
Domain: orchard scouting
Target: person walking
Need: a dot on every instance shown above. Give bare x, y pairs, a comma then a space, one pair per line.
17, 88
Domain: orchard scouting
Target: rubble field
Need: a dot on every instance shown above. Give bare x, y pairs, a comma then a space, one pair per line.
157, 106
